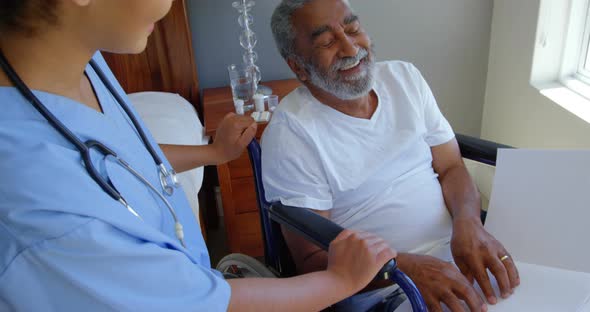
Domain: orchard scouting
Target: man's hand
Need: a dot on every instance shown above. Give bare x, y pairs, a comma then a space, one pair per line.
232, 136
475, 251
440, 282
356, 257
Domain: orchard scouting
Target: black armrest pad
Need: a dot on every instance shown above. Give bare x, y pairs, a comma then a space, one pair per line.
478, 149
316, 229
309, 224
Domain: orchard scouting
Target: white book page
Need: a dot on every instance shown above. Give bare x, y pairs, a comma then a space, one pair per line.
542, 289
540, 207
540, 211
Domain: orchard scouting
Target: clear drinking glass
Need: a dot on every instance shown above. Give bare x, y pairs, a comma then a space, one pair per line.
243, 84
273, 101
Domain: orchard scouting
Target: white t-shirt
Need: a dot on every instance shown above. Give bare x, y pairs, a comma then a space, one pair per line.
373, 174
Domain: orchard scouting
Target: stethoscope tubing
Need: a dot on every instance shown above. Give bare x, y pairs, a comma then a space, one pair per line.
59, 126
85, 147
165, 174
128, 111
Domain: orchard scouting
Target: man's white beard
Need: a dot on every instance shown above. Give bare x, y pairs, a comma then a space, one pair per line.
350, 88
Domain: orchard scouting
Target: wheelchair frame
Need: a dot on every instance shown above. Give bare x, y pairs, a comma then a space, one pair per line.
322, 231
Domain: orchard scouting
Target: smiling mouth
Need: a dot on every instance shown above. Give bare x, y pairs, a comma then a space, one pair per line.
353, 65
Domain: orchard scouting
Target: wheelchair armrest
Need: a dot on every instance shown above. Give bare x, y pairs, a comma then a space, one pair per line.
478, 149
309, 224
322, 231
316, 229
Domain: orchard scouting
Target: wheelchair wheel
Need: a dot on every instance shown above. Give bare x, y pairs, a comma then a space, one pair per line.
239, 266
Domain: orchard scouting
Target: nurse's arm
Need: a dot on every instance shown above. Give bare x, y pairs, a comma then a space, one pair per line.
232, 136
353, 261
188, 157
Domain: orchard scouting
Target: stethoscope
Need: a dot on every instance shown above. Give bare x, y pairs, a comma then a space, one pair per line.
168, 179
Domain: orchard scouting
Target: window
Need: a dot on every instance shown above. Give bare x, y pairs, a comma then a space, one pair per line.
561, 62
584, 59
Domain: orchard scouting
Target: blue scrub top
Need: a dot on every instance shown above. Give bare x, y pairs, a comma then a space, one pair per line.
65, 244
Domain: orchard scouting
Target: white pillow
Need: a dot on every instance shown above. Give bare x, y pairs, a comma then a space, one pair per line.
173, 120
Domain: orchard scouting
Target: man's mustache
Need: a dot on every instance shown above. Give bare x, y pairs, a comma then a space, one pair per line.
348, 61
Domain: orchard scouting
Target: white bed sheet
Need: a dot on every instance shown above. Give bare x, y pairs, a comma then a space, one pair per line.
173, 120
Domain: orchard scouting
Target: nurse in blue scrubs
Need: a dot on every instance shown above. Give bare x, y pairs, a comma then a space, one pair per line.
66, 242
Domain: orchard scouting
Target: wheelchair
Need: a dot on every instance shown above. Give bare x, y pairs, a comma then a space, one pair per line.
316, 229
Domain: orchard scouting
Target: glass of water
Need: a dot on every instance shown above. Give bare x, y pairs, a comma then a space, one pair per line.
273, 102
243, 84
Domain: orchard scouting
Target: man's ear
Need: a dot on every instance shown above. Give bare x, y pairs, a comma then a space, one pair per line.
298, 69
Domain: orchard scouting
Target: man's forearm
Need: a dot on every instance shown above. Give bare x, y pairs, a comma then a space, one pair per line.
307, 256
405, 262
460, 193
316, 261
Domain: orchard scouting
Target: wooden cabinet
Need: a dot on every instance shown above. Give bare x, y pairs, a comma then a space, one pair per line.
236, 180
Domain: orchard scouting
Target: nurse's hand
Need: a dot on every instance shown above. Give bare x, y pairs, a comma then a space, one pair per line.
356, 257
232, 136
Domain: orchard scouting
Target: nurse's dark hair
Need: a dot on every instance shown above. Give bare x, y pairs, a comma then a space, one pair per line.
26, 16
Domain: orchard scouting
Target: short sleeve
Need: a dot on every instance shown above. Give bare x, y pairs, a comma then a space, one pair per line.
292, 170
97, 267
438, 129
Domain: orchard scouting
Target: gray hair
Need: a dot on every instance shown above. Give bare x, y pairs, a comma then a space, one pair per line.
282, 25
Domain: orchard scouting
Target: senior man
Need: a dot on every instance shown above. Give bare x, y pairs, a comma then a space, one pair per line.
365, 145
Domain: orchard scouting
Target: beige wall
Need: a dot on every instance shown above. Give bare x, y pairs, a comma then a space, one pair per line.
447, 40
515, 113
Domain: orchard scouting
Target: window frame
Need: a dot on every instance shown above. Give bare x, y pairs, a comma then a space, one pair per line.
563, 37
573, 74
583, 72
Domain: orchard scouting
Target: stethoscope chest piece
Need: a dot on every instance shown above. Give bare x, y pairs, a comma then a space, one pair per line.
168, 180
